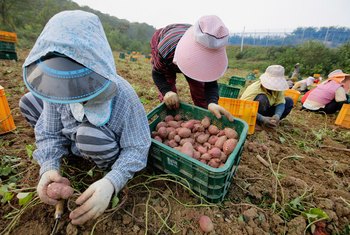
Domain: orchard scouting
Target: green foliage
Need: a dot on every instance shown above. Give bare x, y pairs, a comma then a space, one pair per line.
27, 18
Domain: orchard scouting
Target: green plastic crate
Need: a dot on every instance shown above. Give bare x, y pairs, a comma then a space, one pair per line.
122, 56
236, 81
228, 91
210, 183
7, 46
8, 55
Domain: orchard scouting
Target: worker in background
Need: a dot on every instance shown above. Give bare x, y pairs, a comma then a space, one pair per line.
330, 95
79, 104
302, 86
198, 52
269, 92
296, 72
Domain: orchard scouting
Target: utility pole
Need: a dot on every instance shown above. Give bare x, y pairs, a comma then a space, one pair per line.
254, 38
242, 38
267, 37
284, 36
325, 38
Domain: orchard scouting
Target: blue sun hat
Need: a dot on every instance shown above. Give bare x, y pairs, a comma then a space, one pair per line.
72, 62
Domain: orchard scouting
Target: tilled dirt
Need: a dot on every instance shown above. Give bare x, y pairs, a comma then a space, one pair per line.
260, 200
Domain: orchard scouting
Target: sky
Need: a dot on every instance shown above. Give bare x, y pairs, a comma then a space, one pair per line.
237, 15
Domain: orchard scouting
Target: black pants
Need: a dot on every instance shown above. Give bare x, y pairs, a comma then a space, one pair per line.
266, 110
332, 106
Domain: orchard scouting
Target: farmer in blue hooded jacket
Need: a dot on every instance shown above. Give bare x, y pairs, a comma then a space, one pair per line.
79, 104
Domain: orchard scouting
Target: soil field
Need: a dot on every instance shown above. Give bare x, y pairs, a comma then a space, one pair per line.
304, 191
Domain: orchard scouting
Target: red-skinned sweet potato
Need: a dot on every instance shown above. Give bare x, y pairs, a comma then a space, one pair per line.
214, 130
174, 124
177, 138
163, 133
187, 149
214, 162
231, 133
161, 124
184, 132
202, 138
171, 135
178, 117
212, 139
157, 138
59, 191
196, 155
229, 146
173, 143
220, 142
169, 118
202, 149
206, 224
205, 122
206, 156
183, 141
215, 152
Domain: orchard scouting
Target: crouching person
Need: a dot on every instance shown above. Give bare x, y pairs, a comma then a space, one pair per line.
269, 92
330, 95
77, 103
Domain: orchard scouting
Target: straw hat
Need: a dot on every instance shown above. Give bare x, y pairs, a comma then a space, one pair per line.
201, 52
273, 78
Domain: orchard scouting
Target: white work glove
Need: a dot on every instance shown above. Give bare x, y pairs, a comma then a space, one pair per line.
266, 121
47, 178
94, 202
171, 100
217, 110
275, 119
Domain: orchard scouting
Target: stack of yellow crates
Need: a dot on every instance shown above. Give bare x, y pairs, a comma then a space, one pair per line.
7, 46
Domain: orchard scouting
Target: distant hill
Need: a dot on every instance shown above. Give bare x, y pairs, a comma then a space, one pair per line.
27, 18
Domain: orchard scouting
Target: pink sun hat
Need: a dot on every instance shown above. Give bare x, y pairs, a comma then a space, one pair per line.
273, 78
201, 52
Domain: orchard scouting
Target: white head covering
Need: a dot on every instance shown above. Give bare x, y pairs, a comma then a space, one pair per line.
80, 36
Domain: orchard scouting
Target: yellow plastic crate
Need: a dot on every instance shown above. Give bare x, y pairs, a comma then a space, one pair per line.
6, 120
242, 109
8, 37
292, 94
316, 75
343, 118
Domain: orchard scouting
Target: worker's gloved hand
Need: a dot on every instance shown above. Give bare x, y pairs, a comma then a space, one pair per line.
217, 110
47, 178
276, 117
94, 202
266, 121
171, 100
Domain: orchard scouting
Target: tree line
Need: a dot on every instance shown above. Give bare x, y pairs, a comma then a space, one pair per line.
27, 18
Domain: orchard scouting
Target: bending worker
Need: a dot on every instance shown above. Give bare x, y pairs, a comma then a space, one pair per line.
330, 95
199, 53
303, 85
269, 92
78, 104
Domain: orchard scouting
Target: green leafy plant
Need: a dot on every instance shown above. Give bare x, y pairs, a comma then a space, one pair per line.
313, 215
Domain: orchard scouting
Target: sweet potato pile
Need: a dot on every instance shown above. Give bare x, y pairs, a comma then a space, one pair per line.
198, 139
